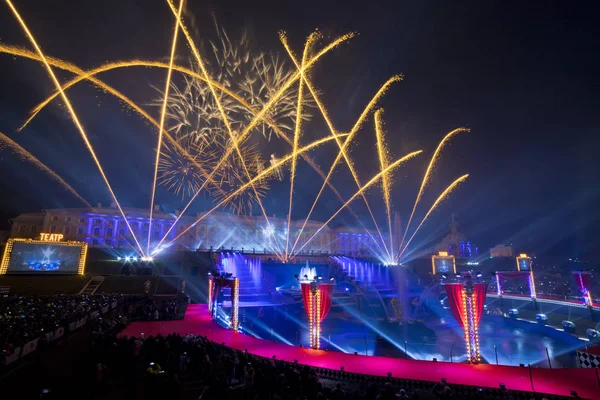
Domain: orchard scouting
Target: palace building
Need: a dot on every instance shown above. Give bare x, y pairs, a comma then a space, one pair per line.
105, 227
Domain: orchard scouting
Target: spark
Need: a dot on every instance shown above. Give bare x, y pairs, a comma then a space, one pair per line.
441, 198
426, 177
162, 118
342, 152
385, 180
73, 115
6, 142
370, 183
311, 39
333, 132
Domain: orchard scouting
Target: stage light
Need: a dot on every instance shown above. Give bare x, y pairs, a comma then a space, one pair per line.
331, 279
444, 277
347, 289
127, 258
479, 275
118, 258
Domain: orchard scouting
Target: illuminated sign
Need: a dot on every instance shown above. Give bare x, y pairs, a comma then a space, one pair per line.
51, 237
443, 263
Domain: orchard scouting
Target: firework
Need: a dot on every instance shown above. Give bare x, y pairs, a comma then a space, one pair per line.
162, 116
179, 165
8, 143
73, 116
236, 193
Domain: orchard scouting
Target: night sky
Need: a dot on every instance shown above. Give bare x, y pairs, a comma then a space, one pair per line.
522, 75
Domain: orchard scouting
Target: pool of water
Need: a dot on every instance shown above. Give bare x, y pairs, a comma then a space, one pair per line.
350, 329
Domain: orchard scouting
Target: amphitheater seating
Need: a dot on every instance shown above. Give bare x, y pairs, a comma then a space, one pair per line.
48, 284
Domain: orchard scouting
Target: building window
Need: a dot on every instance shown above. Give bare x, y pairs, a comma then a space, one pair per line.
67, 229
191, 237
94, 242
98, 222
108, 243
22, 229
121, 243
96, 231
146, 226
109, 232
34, 229
155, 235
55, 218
80, 230
110, 223
68, 219
121, 232
53, 229
82, 220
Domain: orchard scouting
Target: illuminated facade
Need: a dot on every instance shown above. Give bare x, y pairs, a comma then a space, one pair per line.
105, 227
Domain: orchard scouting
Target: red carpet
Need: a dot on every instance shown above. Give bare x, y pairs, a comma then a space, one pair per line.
553, 381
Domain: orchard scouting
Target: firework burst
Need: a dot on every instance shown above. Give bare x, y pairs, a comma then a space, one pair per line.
184, 168
232, 177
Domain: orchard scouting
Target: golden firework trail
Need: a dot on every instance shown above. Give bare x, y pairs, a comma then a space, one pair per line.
311, 39
6, 142
265, 109
162, 118
385, 180
441, 198
373, 180
73, 116
427, 176
333, 131
235, 142
82, 75
266, 172
342, 153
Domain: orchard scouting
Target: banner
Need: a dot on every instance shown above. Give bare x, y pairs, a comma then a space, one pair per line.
59, 333
30, 347
14, 356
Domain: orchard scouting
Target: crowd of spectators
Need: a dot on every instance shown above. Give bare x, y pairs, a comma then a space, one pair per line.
25, 318
155, 309
192, 367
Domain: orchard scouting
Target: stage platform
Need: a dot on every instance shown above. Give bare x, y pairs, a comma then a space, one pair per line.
552, 381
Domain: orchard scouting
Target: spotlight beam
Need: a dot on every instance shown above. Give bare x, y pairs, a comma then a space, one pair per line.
342, 151
25, 155
162, 118
73, 115
444, 194
262, 175
426, 177
333, 131
370, 183
235, 141
262, 113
